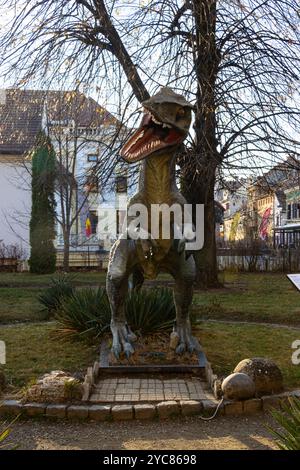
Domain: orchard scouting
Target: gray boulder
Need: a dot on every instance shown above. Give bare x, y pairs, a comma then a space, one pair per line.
238, 386
265, 374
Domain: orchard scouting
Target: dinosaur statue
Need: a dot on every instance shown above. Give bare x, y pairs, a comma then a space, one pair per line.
165, 125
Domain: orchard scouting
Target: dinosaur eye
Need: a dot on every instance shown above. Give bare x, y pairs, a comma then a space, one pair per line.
180, 114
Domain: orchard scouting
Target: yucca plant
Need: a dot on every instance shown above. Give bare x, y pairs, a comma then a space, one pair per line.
289, 420
60, 289
5, 431
86, 311
149, 310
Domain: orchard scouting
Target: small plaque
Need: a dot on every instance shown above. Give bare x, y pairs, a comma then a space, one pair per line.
295, 279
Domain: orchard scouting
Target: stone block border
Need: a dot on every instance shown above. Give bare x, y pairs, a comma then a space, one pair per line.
130, 411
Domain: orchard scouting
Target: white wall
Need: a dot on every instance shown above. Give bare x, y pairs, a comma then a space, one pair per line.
15, 203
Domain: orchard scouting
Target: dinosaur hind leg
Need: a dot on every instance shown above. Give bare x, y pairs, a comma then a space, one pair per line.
117, 286
183, 296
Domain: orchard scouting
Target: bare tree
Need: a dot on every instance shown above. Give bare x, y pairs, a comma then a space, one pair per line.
79, 182
237, 60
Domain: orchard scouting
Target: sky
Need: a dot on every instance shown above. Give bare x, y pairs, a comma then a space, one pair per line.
105, 95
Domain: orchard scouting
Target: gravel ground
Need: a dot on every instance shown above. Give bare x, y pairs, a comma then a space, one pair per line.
183, 434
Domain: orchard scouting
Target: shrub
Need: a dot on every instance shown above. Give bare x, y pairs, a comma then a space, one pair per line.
42, 221
289, 420
5, 431
87, 311
150, 310
61, 289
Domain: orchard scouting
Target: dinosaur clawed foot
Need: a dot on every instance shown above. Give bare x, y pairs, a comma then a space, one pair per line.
122, 339
186, 341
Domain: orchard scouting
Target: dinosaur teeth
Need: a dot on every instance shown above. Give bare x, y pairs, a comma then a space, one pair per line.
156, 120
138, 137
150, 146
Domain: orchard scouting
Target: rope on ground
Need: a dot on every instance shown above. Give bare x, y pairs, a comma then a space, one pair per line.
215, 413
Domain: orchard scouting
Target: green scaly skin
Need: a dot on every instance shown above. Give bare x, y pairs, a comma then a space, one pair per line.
147, 258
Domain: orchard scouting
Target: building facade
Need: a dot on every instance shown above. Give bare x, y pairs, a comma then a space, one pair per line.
90, 179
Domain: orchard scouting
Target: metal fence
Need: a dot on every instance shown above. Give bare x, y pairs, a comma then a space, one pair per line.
287, 260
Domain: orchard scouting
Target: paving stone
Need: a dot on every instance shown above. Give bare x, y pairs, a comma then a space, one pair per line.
56, 411
94, 397
209, 407
252, 406
284, 398
233, 408
34, 409
183, 387
145, 411
78, 412
99, 412
194, 396
191, 386
190, 407
122, 412
166, 409
10, 407
270, 402
127, 398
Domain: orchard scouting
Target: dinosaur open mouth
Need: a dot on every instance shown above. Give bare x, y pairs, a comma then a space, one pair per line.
151, 136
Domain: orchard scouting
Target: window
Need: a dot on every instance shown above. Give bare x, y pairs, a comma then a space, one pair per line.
92, 157
94, 221
121, 184
294, 210
289, 211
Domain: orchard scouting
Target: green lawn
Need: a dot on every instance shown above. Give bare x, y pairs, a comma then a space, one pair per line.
43, 280
33, 350
251, 297
246, 297
227, 344
19, 293
19, 304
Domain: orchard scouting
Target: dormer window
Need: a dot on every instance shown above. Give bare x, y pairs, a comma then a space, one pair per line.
92, 158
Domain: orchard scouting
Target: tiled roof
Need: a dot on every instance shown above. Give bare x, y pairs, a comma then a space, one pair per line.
21, 113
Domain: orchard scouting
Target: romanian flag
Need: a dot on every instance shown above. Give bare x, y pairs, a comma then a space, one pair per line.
88, 227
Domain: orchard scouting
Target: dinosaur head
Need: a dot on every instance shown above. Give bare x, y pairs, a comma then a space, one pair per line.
165, 123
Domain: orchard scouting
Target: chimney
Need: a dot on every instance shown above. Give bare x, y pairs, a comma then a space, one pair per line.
2, 97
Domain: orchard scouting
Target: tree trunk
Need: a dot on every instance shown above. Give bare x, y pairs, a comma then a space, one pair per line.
66, 263
200, 190
206, 259
200, 164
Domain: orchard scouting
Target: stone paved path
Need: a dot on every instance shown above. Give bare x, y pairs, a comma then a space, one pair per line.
145, 390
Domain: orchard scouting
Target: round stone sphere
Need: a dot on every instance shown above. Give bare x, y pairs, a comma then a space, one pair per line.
238, 386
265, 374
